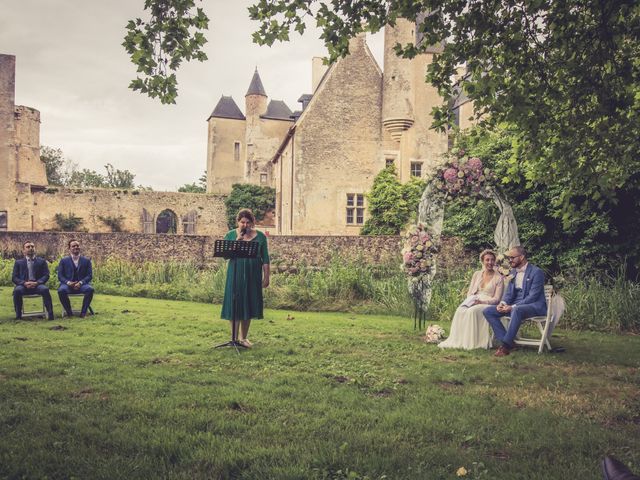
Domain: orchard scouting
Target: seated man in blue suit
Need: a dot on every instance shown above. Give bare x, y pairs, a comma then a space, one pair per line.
30, 275
75, 274
524, 298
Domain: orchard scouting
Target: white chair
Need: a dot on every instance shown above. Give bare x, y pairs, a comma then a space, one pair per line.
36, 310
78, 309
545, 323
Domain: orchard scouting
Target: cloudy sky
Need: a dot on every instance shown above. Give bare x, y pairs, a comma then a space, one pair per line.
70, 66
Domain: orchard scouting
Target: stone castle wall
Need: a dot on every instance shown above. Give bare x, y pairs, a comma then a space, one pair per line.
91, 204
335, 150
222, 168
287, 253
29, 167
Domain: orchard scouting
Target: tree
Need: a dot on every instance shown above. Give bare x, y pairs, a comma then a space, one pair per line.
258, 198
200, 187
59, 169
593, 240
118, 178
54, 162
114, 178
391, 204
158, 46
565, 75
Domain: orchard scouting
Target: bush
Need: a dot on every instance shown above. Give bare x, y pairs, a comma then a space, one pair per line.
68, 223
256, 197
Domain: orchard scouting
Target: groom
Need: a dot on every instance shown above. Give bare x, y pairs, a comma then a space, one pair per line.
524, 298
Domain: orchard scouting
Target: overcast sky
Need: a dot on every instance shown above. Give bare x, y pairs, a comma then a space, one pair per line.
70, 66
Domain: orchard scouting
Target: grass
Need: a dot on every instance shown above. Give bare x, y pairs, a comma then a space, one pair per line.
137, 391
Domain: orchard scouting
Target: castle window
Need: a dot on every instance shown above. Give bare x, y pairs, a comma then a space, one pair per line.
236, 151
263, 178
355, 208
416, 169
389, 161
3, 220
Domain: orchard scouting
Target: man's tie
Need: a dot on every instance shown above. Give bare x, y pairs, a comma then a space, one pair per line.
32, 276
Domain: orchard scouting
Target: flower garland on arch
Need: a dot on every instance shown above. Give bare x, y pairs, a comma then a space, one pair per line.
461, 176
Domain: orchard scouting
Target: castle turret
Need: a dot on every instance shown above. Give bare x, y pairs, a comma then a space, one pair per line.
398, 86
255, 98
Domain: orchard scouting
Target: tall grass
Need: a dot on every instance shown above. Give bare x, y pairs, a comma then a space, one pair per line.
607, 303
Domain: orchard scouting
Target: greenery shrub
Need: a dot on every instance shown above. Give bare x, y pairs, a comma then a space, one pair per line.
586, 240
392, 205
258, 198
68, 223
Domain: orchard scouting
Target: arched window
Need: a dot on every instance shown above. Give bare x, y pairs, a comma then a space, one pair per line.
167, 222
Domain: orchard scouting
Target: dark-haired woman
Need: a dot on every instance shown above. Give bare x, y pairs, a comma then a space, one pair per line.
246, 277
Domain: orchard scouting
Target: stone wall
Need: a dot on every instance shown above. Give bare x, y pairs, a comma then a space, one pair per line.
286, 252
91, 204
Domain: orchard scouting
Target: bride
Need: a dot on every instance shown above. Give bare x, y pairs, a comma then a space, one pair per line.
469, 328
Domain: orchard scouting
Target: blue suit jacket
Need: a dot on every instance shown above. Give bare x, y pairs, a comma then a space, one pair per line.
66, 269
533, 289
21, 271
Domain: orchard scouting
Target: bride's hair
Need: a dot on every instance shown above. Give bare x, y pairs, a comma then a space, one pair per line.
486, 252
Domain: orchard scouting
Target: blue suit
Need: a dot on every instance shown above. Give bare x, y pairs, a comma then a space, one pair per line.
527, 302
40, 275
68, 272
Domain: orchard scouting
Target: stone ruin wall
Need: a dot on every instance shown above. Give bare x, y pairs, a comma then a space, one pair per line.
287, 252
91, 204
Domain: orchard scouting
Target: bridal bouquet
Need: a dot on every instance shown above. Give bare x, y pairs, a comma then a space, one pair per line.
434, 334
503, 266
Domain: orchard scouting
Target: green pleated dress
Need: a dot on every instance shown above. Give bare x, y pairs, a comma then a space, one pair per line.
248, 282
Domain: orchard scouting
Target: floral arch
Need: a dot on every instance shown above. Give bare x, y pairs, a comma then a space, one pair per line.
461, 176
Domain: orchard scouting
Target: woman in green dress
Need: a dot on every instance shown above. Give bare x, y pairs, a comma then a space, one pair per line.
251, 275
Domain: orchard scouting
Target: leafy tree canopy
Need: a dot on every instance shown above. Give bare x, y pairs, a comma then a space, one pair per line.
565, 75
391, 204
159, 45
114, 178
602, 240
200, 187
258, 198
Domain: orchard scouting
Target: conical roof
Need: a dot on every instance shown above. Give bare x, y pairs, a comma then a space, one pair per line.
227, 108
255, 87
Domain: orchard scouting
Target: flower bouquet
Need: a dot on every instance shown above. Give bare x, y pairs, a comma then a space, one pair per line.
434, 334
418, 263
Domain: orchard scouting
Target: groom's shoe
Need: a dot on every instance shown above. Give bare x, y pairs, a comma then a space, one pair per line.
613, 469
502, 351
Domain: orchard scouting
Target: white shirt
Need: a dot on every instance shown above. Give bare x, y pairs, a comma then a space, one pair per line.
520, 275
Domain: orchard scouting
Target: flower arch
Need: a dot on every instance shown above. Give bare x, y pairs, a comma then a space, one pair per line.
462, 176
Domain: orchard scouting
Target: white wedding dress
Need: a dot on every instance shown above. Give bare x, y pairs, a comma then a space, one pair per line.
469, 328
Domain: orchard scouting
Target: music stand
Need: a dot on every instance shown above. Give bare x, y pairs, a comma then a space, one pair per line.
232, 250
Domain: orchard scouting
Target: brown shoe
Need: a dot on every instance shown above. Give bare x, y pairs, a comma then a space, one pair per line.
502, 352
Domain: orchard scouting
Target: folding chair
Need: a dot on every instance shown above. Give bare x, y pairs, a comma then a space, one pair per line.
34, 311
76, 310
545, 323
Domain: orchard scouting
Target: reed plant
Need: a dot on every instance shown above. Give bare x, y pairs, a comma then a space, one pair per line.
602, 303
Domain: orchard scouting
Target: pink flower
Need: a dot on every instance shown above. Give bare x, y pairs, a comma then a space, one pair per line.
450, 175
407, 257
475, 163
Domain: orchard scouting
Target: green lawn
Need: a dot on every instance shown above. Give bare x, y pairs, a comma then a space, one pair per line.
137, 391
